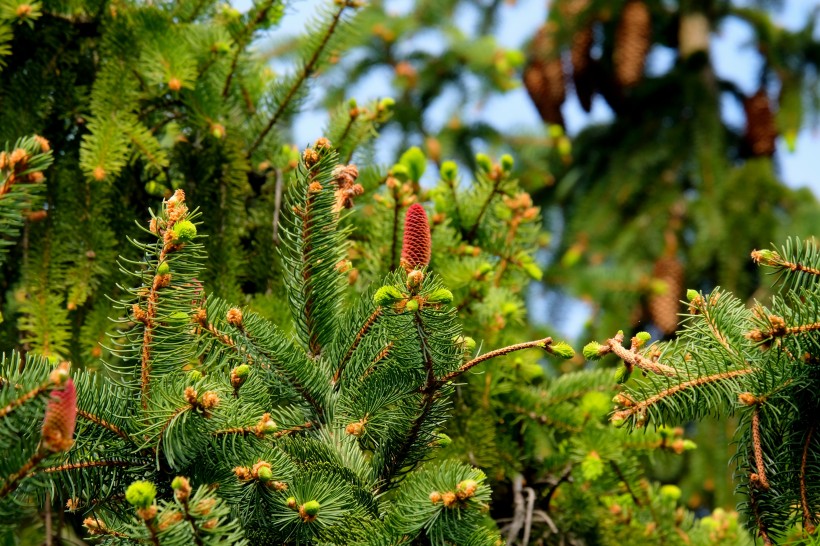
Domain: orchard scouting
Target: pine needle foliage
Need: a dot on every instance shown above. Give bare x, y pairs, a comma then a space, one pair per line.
756, 362
212, 425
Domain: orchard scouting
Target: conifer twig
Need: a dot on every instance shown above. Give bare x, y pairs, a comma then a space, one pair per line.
30, 395
304, 74
368, 324
808, 518
242, 42
87, 464
762, 528
633, 358
770, 258
674, 389
542, 343
11, 482
758, 449
104, 424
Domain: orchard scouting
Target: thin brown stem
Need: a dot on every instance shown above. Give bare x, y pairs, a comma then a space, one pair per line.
762, 529
621, 477
11, 482
470, 235
758, 450
293, 430
633, 358
305, 73
674, 389
808, 517
104, 424
243, 41
30, 395
87, 464
378, 358
368, 324
542, 343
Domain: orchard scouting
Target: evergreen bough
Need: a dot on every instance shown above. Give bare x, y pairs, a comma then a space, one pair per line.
758, 362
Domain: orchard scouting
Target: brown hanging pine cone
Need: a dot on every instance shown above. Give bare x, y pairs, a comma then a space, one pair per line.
573, 12
633, 37
544, 76
664, 306
582, 76
761, 127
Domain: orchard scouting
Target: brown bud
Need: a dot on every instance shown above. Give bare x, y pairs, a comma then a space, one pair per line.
235, 317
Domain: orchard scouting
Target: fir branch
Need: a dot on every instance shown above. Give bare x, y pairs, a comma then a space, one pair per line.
394, 240
304, 74
808, 517
191, 521
11, 482
623, 479
30, 395
773, 259
378, 358
633, 358
294, 429
104, 424
546, 420
497, 181
762, 529
88, 464
542, 343
674, 389
757, 448
243, 40
368, 324
428, 398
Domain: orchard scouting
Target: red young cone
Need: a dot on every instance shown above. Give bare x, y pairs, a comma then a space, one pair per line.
415, 251
60, 418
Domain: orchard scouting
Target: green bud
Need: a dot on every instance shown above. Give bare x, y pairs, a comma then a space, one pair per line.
689, 445
242, 370
691, 294
291, 502
442, 295
194, 375
484, 268
387, 295
163, 268
556, 131
400, 172
507, 163
622, 374
352, 103
443, 440
564, 146
386, 103
533, 271
591, 350
484, 162
562, 350
265, 474
412, 306
184, 230
311, 508
415, 161
178, 482
617, 422
141, 494
643, 336
469, 343
449, 171
671, 492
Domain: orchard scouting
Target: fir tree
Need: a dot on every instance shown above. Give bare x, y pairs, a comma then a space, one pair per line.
214, 425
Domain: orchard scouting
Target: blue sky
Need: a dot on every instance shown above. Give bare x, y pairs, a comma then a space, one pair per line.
732, 52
